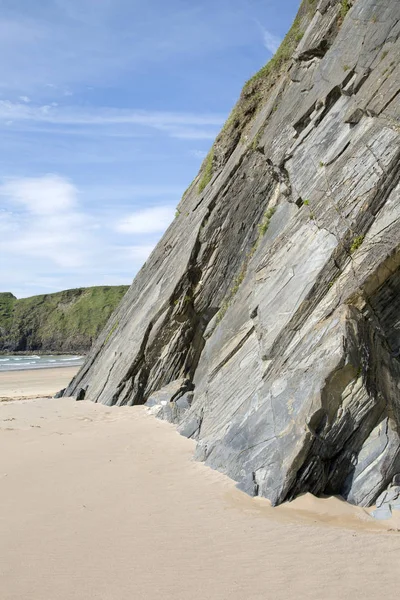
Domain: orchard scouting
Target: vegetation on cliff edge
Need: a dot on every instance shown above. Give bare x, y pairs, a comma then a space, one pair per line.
254, 94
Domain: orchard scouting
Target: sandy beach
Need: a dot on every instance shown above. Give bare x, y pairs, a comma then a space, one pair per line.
34, 383
107, 503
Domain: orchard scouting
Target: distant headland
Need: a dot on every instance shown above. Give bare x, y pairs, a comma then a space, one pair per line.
63, 322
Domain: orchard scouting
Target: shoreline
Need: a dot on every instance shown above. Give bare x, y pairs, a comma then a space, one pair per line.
41, 353
37, 368
35, 382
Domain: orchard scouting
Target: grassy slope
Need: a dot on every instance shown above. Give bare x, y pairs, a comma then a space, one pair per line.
253, 95
65, 321
7, 301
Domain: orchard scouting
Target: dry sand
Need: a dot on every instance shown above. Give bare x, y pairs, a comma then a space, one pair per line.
101, 503
34, 383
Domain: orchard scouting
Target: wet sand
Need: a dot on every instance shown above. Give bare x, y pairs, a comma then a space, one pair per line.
34, 383
107, 503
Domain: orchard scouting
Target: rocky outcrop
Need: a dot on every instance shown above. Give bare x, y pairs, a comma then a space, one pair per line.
266, 321
388, 501
66, 321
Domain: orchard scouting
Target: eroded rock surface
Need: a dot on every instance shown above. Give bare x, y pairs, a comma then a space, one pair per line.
270, 308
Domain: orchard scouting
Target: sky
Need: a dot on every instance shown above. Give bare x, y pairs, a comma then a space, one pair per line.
107, 109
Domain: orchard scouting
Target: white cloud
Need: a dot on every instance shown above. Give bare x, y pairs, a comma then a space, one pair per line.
58, 239
112, 39
49, 241
137, 253
46, 222
7, 224
179, 125
25, 99
133, 192
75, 115
151, 220
192, 134
271, 41
41, 195
199, 153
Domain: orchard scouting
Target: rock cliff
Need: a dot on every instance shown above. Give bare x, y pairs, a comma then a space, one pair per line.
266, 323
66, 321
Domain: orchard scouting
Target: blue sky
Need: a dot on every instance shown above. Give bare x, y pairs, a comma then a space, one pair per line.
107, 108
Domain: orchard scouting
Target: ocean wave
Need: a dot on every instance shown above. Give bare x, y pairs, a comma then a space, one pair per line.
29, 362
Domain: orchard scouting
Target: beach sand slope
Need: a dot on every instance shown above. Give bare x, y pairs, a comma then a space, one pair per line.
34, 383
107, 503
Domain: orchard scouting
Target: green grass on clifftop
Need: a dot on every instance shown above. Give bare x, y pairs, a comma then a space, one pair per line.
65, 321
254, 94
268, 74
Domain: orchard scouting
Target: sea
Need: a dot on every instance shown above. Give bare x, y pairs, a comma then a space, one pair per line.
34, 361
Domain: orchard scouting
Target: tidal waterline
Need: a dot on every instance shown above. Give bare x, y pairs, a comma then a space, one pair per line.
13, 362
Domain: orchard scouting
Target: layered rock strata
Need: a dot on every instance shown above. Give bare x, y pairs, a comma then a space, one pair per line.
270, 308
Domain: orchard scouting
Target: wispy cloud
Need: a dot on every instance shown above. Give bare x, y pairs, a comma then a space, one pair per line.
45, 228
176, 124
46, 220
111, 95
71, 42
133, 192
103, 116
136, 253
150, 220
189, 133
46, 195
199, 153
271, 41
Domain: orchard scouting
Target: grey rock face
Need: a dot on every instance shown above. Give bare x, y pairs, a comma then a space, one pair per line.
387, 502
396, 479
275, 292
171, 402
383, 513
